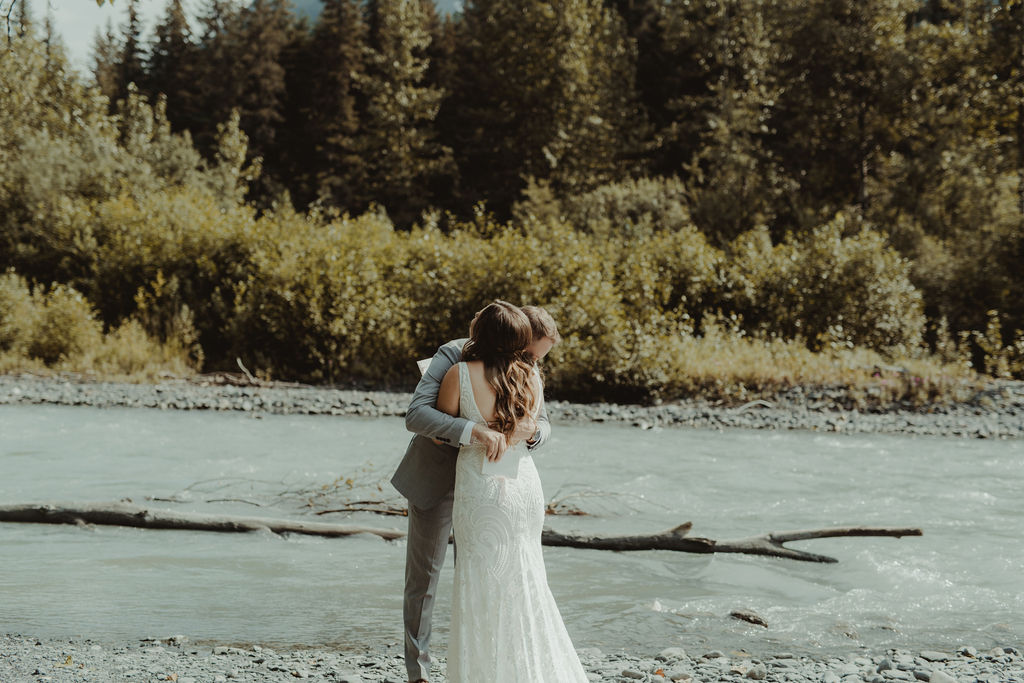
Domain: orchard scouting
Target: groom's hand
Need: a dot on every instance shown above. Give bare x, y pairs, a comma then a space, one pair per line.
525, 430
492, 440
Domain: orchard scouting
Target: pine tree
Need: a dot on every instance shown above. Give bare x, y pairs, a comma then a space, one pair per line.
105, 53
218, 76
845, 74
1008, 59
666, 73
681, 99
295, 141
544, 90
337, 49
735, 182
130, 61
266, 28
398, 141
171, 65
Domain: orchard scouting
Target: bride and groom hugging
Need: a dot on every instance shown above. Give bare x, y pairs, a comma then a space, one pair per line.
480, 403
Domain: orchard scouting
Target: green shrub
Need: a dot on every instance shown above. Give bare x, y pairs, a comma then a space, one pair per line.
630, 207
827, 288
66, 326
325, 302
18, 314
129, 352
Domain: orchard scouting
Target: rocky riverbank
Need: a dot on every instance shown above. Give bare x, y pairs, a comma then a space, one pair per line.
994, 412
24, 659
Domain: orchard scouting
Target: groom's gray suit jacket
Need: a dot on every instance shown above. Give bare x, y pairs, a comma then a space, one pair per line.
427, 472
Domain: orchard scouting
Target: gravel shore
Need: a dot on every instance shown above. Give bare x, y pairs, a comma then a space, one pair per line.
176, 659
996, 412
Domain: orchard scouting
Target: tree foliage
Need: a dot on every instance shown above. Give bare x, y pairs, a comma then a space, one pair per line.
818, 175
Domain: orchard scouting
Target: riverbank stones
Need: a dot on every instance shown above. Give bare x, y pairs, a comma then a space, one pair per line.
999, 415
25, 658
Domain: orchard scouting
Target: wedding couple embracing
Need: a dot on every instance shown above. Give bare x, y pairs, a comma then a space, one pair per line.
478, 412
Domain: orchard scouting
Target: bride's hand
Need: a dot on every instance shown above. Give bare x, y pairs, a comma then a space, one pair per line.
493, 441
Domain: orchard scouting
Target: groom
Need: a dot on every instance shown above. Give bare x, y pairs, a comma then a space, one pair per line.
426, 476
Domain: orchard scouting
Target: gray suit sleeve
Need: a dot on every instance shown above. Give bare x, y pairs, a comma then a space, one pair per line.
543, 424
543, 428
423, 417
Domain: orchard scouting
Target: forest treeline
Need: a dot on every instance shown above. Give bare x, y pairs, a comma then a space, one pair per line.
719, 196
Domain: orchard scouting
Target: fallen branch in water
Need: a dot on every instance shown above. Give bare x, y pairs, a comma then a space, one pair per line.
126, 514
676, 539
770, 544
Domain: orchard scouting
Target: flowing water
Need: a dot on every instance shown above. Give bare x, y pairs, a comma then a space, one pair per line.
961, 583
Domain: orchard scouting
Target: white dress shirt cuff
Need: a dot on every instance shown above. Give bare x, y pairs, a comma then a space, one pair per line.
467, 434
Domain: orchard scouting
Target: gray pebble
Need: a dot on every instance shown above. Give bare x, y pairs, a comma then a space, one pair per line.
679, 675
932, 656
941, 677
758, 672
671, 654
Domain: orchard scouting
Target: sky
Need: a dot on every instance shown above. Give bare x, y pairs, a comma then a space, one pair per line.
78, 21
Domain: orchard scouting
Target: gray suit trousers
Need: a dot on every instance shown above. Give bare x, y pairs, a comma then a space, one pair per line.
427, 543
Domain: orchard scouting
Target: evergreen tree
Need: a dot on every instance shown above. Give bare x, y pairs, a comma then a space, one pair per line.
171, 65
845, 71
266, 26
544, 90
337, 50
295, 140
398, 141
105, 53
1008, 60
441, 51
668, 73
735, 182
130, 61
218, 76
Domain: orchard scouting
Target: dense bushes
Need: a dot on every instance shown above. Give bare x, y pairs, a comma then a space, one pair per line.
828, 288
57, 328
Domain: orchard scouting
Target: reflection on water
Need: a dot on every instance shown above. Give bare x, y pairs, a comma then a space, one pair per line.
959, 583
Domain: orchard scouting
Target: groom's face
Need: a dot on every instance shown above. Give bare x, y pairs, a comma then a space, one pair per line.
540, 347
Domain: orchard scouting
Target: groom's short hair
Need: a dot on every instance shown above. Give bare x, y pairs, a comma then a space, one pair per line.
542, 323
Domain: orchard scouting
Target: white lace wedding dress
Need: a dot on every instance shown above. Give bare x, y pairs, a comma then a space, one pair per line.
505, 625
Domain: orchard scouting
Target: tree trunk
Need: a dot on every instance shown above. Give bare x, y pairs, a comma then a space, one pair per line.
126, 514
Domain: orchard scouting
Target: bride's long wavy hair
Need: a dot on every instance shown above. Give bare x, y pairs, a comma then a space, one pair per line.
498, 336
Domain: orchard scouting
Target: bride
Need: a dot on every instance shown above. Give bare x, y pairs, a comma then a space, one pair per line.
505, 625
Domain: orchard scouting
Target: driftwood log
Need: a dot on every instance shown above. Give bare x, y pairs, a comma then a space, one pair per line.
770, 544
676, 539
127, 514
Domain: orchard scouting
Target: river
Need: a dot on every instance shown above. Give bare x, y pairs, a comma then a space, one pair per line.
961, 583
